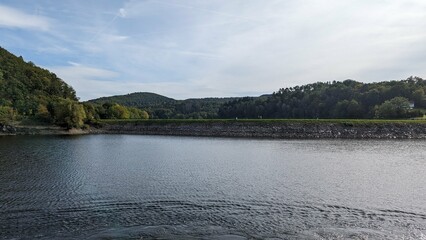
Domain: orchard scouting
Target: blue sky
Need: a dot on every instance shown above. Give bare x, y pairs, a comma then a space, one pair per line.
215, 48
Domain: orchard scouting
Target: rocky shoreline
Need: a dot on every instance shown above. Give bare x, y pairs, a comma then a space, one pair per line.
272, 130
11, 130
278, 130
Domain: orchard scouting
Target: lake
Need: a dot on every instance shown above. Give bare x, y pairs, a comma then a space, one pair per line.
143, 187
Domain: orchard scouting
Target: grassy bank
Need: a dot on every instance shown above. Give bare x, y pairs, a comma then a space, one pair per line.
265, 121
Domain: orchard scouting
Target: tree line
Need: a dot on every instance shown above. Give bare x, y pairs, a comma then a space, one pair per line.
30, 92
161, 107
338, 99
346, 99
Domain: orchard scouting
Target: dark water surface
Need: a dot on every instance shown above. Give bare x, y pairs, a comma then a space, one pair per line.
143, 187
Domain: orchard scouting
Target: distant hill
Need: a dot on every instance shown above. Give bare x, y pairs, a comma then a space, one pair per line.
137, 99
160, 106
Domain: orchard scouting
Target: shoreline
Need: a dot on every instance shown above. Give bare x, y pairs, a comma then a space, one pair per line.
269, 129
239, 129
21, 130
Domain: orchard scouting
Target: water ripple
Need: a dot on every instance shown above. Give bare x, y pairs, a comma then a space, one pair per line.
133, 187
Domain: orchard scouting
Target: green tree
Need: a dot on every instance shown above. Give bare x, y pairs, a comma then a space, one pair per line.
347, 109
397, 107
7, 114
419, 98
91, 113
120, 112
69, 114
136, 113
43, 113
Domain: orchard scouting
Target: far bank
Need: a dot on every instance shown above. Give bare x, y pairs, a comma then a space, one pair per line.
12, 130
273, 128
259, 128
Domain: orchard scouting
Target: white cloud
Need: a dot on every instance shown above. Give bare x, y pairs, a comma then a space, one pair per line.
197, 48
122, 12
14, 18
249, 47
311, 41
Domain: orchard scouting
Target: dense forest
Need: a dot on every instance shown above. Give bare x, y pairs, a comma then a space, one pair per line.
28, 92
347, 99
161, 107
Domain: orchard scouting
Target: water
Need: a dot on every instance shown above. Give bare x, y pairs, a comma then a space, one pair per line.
143, 187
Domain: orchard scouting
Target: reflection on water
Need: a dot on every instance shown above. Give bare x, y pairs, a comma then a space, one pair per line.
119, 186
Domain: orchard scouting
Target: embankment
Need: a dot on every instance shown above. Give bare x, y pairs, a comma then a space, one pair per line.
246, 129
271, 129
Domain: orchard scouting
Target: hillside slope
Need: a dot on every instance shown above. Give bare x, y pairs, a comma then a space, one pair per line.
137, 99
29, 91
24, 84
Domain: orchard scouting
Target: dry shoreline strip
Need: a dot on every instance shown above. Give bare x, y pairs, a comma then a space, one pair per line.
278, 129
9, 130
270, 129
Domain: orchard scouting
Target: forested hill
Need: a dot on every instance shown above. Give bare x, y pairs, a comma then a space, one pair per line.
24, 86
138, 99
163, 107
347, 99
28, 91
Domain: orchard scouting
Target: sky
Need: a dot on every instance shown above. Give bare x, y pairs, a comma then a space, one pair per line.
215, 48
